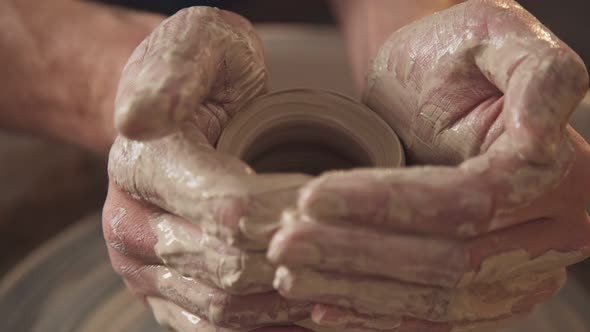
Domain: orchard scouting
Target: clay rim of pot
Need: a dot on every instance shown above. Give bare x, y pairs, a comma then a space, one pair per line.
309, 126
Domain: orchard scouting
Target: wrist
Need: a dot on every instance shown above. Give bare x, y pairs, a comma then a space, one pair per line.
63, 61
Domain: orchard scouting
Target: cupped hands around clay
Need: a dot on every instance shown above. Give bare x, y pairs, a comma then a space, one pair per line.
484, 86
480, 95
206, 279
219, 193
452, 83
179, 213
182, 85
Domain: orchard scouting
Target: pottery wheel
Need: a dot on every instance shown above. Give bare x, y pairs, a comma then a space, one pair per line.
67, 285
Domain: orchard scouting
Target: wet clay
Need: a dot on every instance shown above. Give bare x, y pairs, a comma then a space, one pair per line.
294, 131
199, 255
222, 309
321, 131
373, 296
310, 131
513, 263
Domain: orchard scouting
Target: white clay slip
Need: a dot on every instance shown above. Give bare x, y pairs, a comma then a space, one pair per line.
310, 131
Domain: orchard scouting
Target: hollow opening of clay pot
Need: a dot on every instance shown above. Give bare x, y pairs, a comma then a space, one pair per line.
305, 147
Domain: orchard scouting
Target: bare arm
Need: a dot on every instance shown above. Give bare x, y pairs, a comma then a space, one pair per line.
367, 24
61, 63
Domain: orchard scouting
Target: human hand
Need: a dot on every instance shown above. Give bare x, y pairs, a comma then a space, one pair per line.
483, 91
187, 226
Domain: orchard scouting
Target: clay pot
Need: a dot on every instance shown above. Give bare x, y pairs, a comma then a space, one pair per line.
310, 131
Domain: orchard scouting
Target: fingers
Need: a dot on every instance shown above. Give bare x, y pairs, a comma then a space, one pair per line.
476, 197
542, 78
513, 251
451, 83
149, 235
342, 319
384, 297
212, 304
579, 186
172, 316
428, 260
126, 227
282, 329
364, 252
413, 199
197, 255
201, 60
217, 192
333, 318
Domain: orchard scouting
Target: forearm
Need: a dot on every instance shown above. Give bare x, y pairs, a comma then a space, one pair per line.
367, 24
62, 61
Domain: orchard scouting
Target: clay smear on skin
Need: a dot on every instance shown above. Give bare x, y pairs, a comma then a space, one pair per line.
518, 261
171, 241
115, 224
385, 297
215, 305
227, 267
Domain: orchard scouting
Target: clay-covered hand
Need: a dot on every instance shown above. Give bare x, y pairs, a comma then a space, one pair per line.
187, 226
481, 93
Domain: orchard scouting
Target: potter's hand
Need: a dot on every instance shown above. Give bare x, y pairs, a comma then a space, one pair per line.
486, 90
179, 215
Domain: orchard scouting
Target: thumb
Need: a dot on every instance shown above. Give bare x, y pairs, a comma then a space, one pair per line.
201, 55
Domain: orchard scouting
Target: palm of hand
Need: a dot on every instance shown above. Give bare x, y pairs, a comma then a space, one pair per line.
484, 85
483, 92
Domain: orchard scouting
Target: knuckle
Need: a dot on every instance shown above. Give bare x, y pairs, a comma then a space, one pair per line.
489, 4
126, 269
219, 310
212, 119
247, 274
121, 269
189, 15
461, 270
499, 5
203, 17
124, 159
576, 70
199, 11
231, 211
113, 223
